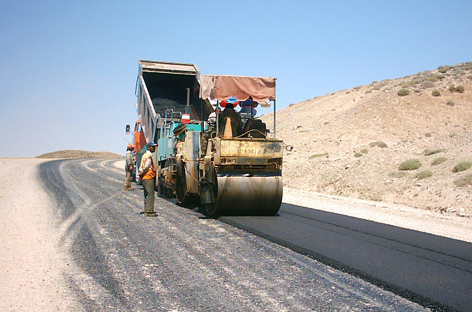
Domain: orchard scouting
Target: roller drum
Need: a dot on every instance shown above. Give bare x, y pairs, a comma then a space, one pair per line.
248, 194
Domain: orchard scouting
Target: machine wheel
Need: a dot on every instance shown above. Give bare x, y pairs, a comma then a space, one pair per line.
181, 184
161, 189
212, 208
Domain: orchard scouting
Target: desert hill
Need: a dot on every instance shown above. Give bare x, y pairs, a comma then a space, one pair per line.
79, 154
405, 141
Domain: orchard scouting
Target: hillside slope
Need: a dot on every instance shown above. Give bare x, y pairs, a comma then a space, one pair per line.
79, 154
352, 142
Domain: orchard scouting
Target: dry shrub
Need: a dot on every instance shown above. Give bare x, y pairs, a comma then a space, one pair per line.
428, 84
403, 92
318, 155
462, 166
423, 174
467, 180
429, 152
438, 161
378, 143
443, 69
410, 164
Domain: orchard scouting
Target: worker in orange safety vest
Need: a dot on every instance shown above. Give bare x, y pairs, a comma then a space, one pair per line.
147, 174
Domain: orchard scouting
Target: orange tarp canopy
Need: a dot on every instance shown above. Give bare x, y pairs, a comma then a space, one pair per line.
217, 87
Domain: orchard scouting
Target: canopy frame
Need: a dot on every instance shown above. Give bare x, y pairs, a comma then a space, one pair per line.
221, 87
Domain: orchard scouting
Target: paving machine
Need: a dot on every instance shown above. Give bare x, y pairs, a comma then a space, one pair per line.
207, 160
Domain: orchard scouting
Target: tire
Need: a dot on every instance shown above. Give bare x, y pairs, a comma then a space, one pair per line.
181, 184
213, 209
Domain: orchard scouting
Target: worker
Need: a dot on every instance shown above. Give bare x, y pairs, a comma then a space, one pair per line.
209, 133
236, 124
129, 166
147, 174
212, 116
249, 107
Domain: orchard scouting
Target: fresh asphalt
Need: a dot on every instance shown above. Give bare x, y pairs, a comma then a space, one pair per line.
431, 270
185, 261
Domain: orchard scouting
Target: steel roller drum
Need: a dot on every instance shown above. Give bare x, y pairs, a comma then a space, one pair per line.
246, 194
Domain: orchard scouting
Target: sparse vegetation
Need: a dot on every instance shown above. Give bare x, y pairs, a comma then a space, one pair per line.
408, 84
452, 89
432, 79
460, 89
318, 155
462, 166
403, 92
431, 125
378, 143
467, 66
381, 84
444, 69
410, 164
467, 180
423, 174
438, 161
397, 174
428, 84
429, 152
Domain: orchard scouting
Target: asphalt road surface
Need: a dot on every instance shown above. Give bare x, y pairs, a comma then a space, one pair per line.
431, 270
184, 261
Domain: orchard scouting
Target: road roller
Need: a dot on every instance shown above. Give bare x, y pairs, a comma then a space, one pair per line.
213, 150
242, 176
234, 175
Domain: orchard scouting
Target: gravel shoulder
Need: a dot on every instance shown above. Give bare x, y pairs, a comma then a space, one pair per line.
31, 261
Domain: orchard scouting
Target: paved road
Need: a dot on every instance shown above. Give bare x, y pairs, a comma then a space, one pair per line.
183, 261
431, 270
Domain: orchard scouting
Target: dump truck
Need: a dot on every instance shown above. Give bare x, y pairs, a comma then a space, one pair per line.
227, 170
139, 143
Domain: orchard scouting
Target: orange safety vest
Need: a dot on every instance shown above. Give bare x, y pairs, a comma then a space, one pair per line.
151, 173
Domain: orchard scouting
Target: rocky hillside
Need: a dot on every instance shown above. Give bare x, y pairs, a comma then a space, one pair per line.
79, 154
405, 140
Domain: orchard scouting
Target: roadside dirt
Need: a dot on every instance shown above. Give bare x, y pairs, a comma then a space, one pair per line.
32, 264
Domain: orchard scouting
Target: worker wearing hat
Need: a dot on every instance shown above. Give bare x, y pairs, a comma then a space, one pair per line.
229, 112
147, 174
129, 166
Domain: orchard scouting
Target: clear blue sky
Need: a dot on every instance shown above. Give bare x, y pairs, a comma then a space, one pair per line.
68, 68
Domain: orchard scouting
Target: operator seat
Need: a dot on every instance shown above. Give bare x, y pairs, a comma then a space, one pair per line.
236, 123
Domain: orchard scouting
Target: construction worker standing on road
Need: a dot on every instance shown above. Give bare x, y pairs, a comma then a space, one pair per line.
147, 174
129, 166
